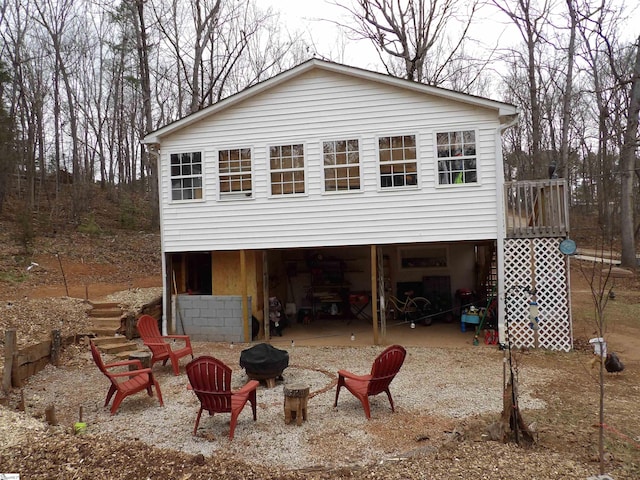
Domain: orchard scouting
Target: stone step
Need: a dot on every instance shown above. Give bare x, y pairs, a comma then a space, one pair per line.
114, 348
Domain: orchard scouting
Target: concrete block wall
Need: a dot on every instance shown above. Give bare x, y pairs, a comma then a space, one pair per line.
211, 318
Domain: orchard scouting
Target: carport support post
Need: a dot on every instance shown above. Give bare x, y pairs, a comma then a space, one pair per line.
9, 349
374, 293
245, 300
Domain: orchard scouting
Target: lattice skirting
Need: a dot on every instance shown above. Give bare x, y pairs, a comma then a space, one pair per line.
537, 263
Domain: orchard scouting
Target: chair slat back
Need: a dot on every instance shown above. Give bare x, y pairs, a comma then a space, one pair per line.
385, 367
97, 358
148, 327
211, 382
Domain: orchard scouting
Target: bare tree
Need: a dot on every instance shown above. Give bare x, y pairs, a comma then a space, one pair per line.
531, 21
628, 166
413, 33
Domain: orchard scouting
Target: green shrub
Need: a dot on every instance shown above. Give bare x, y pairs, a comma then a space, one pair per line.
90, 226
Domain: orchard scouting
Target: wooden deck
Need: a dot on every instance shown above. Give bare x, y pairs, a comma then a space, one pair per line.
537, 208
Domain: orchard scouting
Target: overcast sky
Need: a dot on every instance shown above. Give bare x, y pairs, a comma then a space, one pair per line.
308, 15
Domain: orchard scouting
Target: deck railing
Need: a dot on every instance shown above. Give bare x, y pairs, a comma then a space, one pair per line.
536, 208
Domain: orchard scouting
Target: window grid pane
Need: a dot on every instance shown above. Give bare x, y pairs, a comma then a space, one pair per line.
457, 162
397, 157
235, 175
186, 176
287, 169
341, 165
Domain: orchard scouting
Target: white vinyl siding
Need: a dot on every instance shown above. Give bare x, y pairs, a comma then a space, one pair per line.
312, 108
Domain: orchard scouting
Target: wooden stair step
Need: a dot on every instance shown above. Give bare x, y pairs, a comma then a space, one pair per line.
106, 322
104, 332
114, 348
109, 339
106, 313
99, 305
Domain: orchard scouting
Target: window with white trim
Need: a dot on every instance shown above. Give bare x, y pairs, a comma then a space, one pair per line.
341, 160
398, 161
186, 176
457, 160
287, 169
235, 173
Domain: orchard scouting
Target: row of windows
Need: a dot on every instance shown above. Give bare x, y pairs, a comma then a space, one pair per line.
397, 159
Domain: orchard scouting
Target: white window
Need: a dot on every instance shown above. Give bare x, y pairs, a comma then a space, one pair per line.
186, 176
341, 165
287, 169
234, 172
398, 161
457, 161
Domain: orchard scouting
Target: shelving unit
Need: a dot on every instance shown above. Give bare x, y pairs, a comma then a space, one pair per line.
329, 291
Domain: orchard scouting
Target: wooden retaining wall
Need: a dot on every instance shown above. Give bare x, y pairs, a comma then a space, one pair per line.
21, 364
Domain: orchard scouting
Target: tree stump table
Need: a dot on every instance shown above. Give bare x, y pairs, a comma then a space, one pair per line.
296, 396
144, 357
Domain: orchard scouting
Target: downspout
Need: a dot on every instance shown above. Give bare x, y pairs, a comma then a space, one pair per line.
502, 229
154, 150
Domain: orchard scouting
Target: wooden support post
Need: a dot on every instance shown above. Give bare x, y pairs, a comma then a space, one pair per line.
9, 349
374, 294
245, 294
56, 347
50, 415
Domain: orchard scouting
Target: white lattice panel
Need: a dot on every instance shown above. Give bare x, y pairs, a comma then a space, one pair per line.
537, 262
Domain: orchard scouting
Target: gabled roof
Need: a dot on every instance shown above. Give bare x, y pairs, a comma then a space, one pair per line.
505, 111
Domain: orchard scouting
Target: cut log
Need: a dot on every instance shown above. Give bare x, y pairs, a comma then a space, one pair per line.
296, 396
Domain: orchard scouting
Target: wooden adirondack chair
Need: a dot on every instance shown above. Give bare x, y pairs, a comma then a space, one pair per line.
383, 371
125, 383
210, 380
161, 346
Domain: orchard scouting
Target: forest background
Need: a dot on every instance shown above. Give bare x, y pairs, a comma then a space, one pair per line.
83, 81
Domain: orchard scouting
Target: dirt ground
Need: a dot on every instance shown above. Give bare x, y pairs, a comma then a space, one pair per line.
88, 267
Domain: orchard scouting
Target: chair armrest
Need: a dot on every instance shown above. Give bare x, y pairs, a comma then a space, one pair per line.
155, 343
353, 376
131, 373
247, 387
184, 338
125, 363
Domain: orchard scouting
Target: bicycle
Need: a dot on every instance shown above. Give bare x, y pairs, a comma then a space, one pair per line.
413, 309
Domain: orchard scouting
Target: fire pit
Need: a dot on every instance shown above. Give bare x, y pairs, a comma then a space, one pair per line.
264, 362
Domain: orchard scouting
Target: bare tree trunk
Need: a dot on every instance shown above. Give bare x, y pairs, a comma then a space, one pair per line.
628, 169
147, 120
566, 98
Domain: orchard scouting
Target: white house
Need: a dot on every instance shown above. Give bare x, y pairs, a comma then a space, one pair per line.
327, 184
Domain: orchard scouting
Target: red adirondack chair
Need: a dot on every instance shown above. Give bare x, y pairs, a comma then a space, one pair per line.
125, 383
383, 371
210, 380
161, 346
